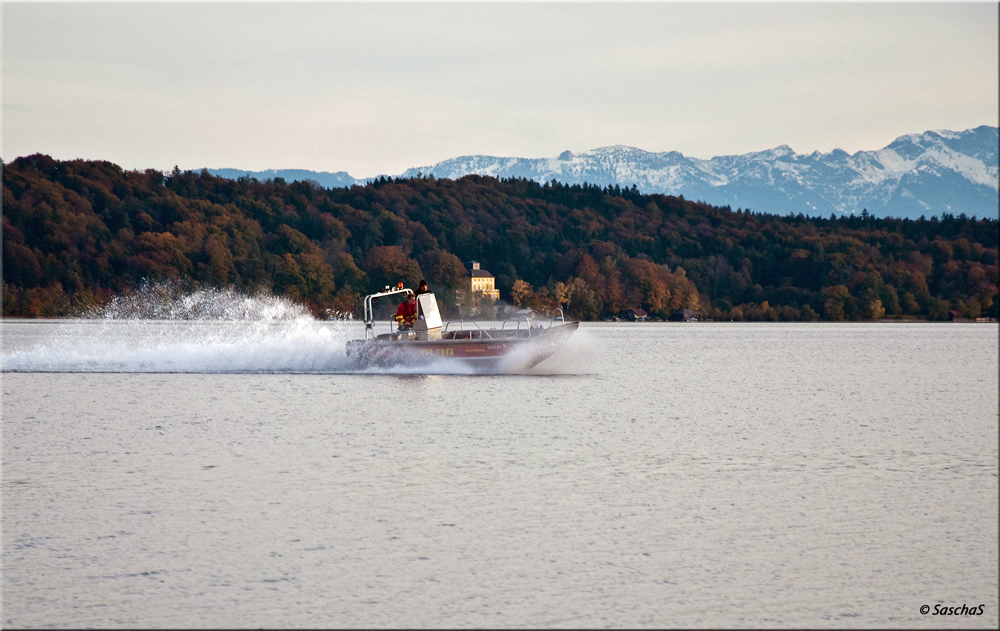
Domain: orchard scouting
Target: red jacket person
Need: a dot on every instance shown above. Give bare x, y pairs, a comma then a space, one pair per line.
407, 312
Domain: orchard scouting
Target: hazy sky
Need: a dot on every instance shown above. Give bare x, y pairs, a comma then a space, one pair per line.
377, 88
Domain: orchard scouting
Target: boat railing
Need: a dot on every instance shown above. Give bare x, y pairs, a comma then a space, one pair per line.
527, 325
531, 329
461, 327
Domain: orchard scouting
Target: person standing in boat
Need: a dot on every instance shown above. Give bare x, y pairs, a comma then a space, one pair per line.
422, 289
407, 313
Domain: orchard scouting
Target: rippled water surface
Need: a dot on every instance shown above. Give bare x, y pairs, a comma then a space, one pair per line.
186, 474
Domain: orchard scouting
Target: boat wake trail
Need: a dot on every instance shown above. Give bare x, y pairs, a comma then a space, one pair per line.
160, 329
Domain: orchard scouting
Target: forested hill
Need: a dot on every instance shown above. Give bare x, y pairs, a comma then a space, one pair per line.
77, 232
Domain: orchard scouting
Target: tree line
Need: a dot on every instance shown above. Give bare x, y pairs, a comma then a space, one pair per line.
76, 233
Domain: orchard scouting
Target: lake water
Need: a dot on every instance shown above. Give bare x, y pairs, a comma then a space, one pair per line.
179, 474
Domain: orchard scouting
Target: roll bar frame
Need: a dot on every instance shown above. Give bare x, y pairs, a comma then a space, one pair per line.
370, 307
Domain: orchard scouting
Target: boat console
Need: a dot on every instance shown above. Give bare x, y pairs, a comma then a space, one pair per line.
428, 323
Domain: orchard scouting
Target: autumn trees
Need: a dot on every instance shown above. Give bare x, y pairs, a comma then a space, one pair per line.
77, 232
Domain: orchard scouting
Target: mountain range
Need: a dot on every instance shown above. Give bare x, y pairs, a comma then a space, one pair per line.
916, 175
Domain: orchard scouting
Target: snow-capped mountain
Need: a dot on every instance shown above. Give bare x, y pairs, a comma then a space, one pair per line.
922, 174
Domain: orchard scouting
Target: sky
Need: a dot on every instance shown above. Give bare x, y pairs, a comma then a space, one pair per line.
376, 88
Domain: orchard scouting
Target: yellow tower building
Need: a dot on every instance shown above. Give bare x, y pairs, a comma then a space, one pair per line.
481, 282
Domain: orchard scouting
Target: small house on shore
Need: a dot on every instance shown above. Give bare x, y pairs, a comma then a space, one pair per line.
636, 315
685, 315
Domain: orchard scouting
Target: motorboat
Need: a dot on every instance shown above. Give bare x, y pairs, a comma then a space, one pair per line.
513, 345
